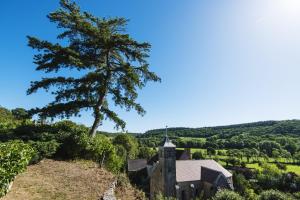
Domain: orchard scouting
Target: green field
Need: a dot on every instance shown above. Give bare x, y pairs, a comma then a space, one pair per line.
193, 139
290, 167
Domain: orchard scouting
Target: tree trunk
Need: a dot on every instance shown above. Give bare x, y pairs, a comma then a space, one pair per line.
102, 92
97, 109
96, 124
97, 120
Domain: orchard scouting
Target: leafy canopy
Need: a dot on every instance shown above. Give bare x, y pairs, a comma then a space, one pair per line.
112, 64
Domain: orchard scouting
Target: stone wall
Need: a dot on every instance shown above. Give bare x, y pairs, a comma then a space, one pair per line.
188, 190
110, 193
156, 182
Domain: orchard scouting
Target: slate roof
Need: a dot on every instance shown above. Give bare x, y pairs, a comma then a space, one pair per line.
137, 164
209, 175
190, 170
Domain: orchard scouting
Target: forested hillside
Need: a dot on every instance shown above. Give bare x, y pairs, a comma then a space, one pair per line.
290, 127
286, 133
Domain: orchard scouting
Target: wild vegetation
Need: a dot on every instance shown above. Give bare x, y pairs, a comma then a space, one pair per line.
29, 142
264, 156
112, 66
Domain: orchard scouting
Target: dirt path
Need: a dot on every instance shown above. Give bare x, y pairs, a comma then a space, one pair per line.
60, 180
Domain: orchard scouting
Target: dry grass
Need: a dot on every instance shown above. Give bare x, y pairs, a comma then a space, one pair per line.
129, 193
51, 179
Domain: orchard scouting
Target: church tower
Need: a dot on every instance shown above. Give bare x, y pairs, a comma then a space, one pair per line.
167, 160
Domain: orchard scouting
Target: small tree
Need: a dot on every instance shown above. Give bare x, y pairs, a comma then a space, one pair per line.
273, 195
112, 65
211, 151
226, 195
198, 155
129, 143
20, 114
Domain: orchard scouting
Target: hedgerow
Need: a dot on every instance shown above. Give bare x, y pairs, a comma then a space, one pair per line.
14, 157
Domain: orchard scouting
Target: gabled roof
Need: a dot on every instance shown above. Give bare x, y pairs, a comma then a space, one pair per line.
137, 164
209, 175
180, 155
190, 170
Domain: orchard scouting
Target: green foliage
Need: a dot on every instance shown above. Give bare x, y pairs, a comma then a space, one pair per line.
227, 195
129, 143
161, 197
281, 166
274, 195
198, 155
114, 65
14, 157
240, 136
269, 177
67, 140
211, 151
146, 152
99, 148
268, 146
243, 187
296, 195
43, 150
20, 114
6, 120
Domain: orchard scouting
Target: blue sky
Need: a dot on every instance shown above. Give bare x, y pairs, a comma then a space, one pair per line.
221, 62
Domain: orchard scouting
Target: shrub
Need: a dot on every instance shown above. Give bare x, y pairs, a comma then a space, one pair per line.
146, 152
103, 151
14, 157
129, 143
74, 145
281, 166
122, 180
161, 197
99, 148
227, 195
273, 195
198, 155
296, 195
43, 150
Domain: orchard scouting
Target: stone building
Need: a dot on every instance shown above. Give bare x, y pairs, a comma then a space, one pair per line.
173, 174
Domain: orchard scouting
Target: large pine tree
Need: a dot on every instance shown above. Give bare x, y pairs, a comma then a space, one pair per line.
114, 66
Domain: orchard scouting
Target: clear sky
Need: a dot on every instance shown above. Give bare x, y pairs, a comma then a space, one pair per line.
221, 62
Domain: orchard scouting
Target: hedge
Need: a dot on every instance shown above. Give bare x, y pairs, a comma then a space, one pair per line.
14, 157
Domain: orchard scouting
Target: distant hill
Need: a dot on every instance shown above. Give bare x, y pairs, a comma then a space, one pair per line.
284, 127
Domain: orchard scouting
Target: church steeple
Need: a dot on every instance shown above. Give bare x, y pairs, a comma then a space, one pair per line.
167, 161
167, 142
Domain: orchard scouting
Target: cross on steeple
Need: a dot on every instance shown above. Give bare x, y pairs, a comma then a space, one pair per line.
167, 142
166, 134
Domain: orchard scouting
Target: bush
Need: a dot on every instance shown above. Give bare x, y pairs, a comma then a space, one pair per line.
129, 143
14, 157
99, 148
43, 150
74, 145
103, 151
146, 152
273, 195
296, 195
227, 195
198, 155
281, 166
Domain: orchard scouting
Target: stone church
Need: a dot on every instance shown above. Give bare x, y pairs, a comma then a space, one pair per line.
172, 173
